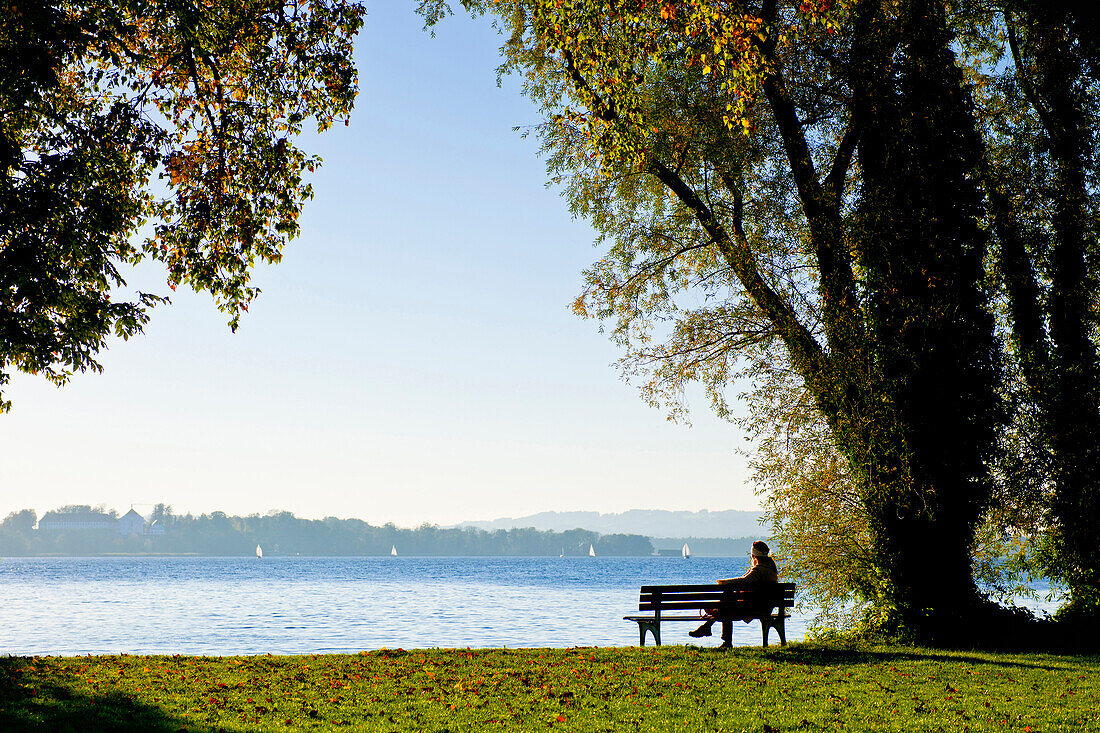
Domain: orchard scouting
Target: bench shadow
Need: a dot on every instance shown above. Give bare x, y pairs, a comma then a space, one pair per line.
814, 655
55, 707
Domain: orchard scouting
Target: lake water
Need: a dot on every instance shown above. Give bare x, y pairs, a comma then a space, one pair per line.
299, 605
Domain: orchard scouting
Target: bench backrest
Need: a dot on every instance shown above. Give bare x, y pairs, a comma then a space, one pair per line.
726, 598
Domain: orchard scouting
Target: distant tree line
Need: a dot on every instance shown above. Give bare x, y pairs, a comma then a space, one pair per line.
282, 533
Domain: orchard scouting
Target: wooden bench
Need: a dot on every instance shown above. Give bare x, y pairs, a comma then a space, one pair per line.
732, 601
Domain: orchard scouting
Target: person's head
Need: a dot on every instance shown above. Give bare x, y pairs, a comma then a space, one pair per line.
761, 554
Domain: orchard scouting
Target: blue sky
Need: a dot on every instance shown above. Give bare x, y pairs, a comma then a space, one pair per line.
412, 359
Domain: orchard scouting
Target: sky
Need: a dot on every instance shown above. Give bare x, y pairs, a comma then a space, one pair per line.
412, 359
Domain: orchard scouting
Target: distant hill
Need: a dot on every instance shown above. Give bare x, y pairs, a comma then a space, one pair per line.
649, 522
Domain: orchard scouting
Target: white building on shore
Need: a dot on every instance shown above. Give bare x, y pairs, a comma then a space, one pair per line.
129, 524
83, 520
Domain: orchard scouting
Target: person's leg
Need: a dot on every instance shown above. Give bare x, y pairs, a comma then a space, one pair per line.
727, 633
703, 630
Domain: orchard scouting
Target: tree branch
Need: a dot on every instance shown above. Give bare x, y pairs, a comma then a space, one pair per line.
1018, 272
646, 267
821, 210
606, 111
806, 353
1025, 83
842, 161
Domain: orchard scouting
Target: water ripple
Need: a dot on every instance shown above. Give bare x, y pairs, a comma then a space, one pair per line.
311, 605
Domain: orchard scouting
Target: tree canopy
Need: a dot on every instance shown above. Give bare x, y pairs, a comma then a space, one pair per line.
884, 209
173, 121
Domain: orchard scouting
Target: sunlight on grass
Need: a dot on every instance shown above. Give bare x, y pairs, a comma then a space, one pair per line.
800, 687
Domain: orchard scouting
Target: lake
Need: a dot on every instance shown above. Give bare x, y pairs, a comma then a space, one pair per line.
298, 605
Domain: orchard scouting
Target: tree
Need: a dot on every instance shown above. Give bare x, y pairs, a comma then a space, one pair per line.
819, 526
928, 428
16, 531
806, 188
21, 521
175, 116
1050, 267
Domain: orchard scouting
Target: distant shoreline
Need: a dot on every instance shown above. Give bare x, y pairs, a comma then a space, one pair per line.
120, 554
85, 531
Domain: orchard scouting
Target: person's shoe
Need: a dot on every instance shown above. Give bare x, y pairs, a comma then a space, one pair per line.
725, 645
700, 632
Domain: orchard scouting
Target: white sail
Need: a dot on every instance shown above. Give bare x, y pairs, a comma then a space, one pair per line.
591, 551
393, 550
562, 552
259, 552
686, 552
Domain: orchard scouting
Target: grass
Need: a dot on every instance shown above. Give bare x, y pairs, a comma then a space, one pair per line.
798, 688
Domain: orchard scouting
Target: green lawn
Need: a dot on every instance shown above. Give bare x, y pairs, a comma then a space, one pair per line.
797, 688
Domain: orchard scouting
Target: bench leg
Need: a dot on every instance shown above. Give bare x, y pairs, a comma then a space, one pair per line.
652, 626
777, 622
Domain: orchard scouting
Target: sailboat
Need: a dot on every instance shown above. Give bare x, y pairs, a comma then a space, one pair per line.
591, 551
393, 550
562, 553
259, 553
686, 552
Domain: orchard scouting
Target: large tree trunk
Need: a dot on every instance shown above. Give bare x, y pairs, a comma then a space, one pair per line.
929, 403
1072, 408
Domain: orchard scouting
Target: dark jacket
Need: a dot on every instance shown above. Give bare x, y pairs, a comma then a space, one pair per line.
762, 573
765, 572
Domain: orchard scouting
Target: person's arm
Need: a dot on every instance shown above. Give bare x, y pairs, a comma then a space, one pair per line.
750, 577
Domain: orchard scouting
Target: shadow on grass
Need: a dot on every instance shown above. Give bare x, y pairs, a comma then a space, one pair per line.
26, 704
826, 655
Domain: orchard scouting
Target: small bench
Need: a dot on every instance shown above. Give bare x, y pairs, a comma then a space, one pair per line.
732, 602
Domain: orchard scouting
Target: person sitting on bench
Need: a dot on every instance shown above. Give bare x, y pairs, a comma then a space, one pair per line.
763, 570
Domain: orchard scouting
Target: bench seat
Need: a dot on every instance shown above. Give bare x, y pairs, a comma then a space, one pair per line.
732, 602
